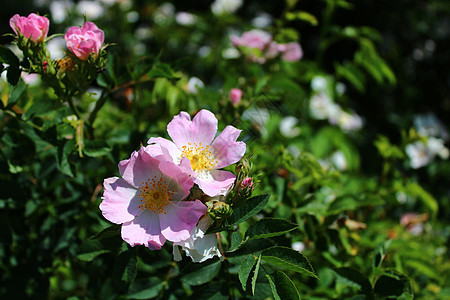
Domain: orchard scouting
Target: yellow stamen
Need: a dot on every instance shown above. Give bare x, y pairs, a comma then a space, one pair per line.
155, 195
200, 156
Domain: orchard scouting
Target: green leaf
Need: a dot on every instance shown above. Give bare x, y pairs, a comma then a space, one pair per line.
302, 16
38, 107
380, 253
202, 275
393, 284
255, 274
288, 258
65, 148
269, 227
236, 242
344, 4
282, 286
111, 231
351, 277
145, 289
13, 75
96, 148
386, 149
248, 273
125, 271
90, 249
16, 93
8, 57
162, 70
248, 209
273, 287
353, 74
351, 202
415, 190
245, 270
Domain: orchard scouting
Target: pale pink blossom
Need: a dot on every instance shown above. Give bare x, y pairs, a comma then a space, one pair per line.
291, 51
255, 38
235, 96
198, 153
147, 201
33, 27
82, 41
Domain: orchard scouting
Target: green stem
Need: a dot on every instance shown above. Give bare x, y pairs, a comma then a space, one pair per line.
73, 107
98, 105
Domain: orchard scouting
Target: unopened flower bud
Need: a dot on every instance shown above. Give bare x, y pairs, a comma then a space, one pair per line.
247, 183
235, 96
218, 210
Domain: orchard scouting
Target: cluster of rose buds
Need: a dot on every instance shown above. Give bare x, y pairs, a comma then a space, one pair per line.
85, 45
175, 190
259, 46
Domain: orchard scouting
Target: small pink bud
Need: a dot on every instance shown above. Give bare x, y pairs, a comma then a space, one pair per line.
33, 27
82, 41
291, 51
235, 96
247, 182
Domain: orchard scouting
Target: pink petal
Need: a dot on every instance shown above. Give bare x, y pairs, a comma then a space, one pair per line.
168, 148
293, 52
120, 201
144, 230
139, 168
88, 26
201, 129
14, 22
74, 30
225, 149
178, 181
180, 218
218, 184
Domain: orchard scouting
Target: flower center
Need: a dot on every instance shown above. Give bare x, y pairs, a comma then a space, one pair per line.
155, 195
200, 156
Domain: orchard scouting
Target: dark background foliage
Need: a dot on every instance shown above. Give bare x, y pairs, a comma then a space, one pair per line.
49, 194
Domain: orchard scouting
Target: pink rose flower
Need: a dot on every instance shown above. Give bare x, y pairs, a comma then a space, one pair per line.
147, 201
33, 27
195, 151
235, 96
82, 41
291, 51
252, 39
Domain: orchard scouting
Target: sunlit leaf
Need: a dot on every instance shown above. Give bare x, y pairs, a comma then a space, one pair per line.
269, 227
282, 286
203, 274
288, 258
248, 209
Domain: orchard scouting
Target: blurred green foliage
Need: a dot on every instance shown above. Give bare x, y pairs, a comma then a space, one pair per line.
336, 195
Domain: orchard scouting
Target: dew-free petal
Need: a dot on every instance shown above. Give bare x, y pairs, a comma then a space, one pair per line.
225, 148
180, 218
218, 183
144, 230
201, 129
120, 201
